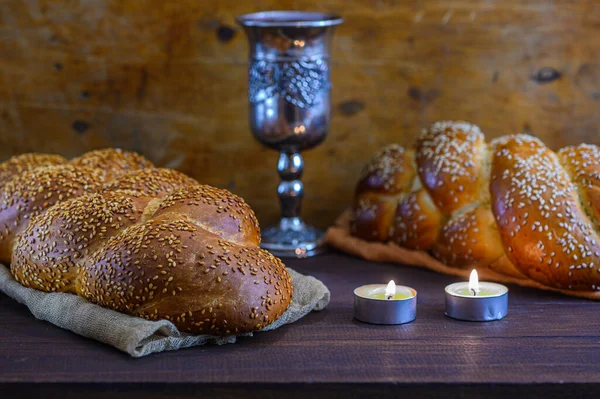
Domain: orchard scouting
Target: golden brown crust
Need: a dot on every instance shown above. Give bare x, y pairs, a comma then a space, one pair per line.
388, 172
581, 163
112, 162
175, 270
372, 217
417, 222
384, 181
546, 234
154, 182
469, 238
31, 193
512, 205
218, 211
48, 254
449, 160
20, 164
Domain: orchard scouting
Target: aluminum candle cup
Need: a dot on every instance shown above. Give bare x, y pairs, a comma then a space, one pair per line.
375, 304
475, 301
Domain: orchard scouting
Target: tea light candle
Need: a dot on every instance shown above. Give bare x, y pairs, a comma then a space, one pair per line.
381, 304
476, 301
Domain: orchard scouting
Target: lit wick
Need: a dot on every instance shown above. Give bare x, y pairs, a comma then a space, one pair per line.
390, 290
474, 283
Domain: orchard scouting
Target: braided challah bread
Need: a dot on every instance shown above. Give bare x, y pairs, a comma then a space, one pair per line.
512, 205
146, 241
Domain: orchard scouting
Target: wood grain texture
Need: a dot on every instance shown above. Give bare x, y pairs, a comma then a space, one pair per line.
168, 79
546, 340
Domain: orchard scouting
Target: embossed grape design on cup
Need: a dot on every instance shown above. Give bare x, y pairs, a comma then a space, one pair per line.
289, 88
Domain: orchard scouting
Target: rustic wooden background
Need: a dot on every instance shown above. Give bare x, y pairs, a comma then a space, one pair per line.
168, 79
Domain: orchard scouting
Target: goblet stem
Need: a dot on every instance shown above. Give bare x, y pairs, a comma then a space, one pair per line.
291, 236
290, 189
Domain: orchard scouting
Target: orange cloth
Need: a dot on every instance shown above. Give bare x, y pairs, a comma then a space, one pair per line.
339, 236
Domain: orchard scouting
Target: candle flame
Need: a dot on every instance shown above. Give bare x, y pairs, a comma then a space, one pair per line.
390, 290
474, 283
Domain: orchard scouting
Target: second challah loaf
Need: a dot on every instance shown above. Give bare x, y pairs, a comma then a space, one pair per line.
512, 205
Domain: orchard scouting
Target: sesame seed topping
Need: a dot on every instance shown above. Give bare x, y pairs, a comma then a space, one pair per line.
112, 229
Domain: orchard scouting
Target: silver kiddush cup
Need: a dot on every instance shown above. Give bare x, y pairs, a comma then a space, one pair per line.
289, 87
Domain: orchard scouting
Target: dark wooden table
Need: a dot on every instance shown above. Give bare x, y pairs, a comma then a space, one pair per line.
547, 347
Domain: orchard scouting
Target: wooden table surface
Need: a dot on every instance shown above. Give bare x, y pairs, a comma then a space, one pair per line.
548, 346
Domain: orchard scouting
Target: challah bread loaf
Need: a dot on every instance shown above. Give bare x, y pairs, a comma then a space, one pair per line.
146, 241
512, 204
227, 283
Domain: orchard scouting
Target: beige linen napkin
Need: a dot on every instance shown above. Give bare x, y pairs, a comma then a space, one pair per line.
339, 236
139, 337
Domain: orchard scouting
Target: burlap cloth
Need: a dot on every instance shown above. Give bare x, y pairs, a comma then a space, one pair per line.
339, 236
139, 337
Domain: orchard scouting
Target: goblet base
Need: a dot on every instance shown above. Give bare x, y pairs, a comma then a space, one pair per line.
292, 238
